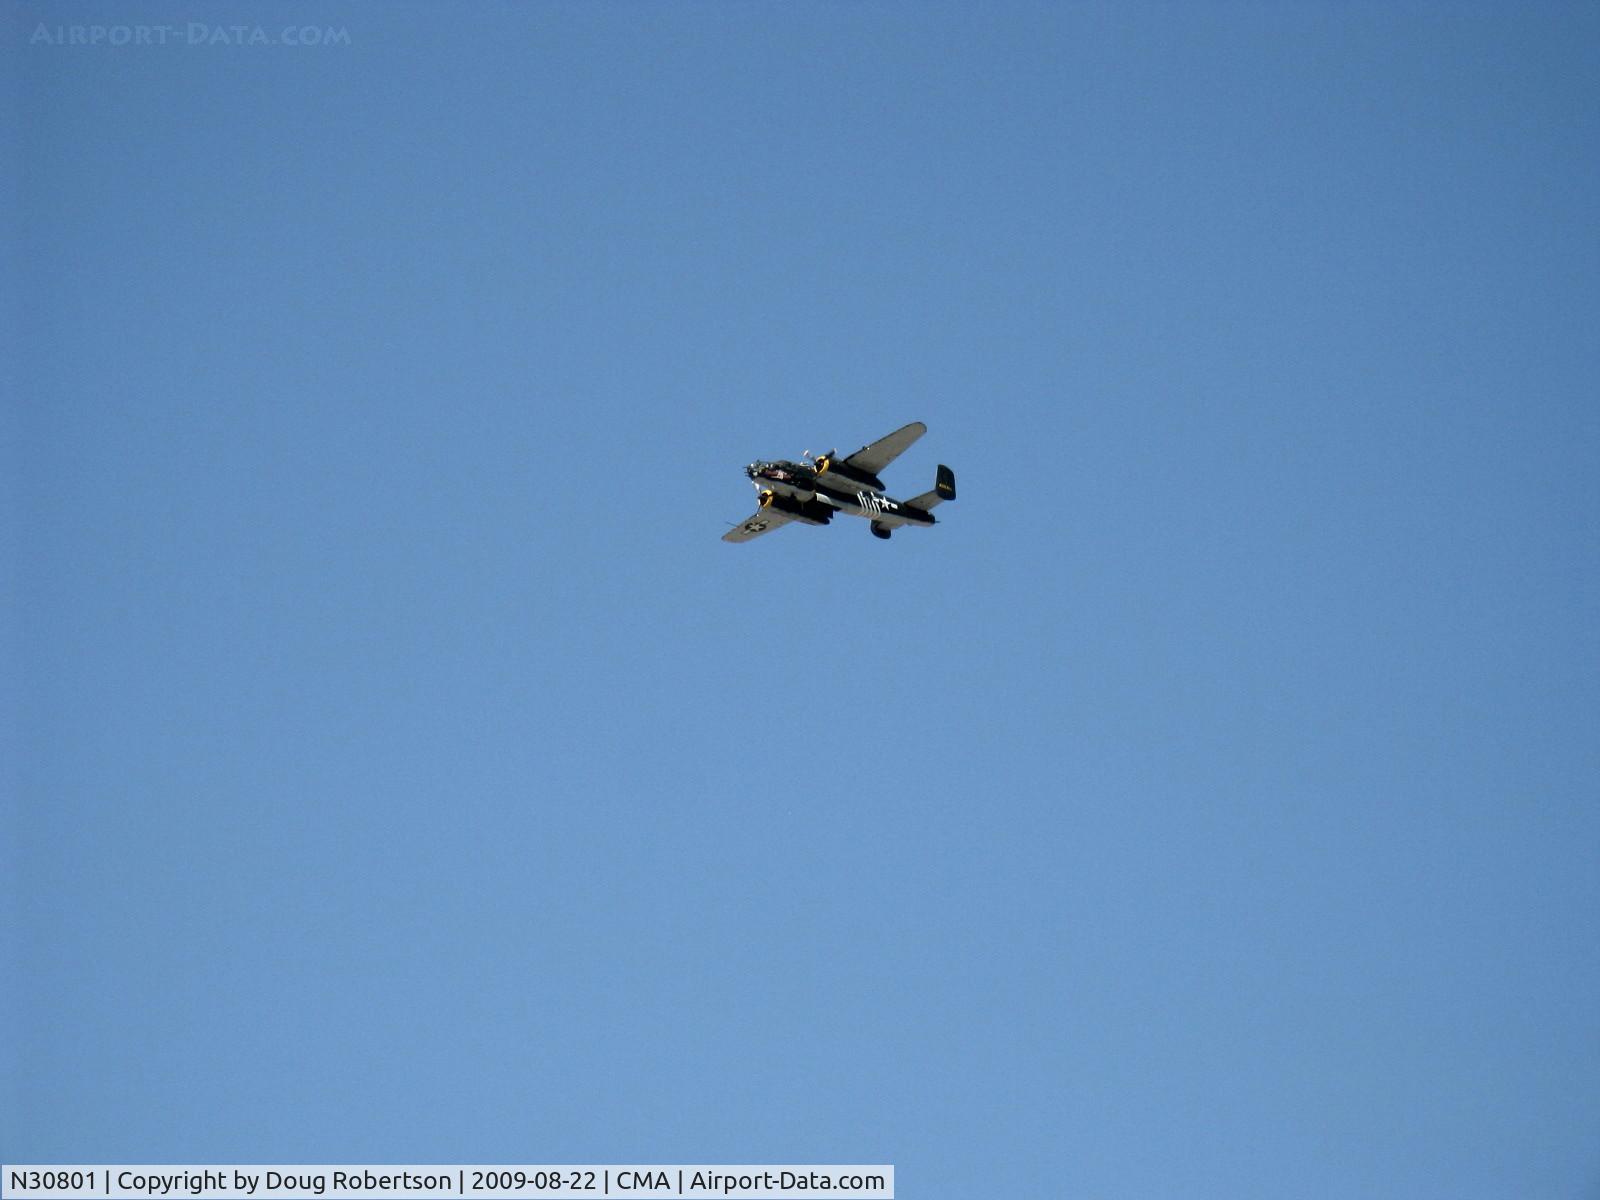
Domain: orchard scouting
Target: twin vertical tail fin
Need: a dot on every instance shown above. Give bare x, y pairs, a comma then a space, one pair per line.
944, 488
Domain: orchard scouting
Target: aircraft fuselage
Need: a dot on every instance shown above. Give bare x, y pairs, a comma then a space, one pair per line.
797, 489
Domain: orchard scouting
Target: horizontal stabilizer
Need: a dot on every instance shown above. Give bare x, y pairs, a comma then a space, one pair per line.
944, 488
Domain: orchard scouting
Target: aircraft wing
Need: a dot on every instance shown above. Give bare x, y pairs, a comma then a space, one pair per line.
875, 457
764, 521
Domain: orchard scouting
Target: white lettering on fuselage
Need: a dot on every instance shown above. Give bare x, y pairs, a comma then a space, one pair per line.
875, 504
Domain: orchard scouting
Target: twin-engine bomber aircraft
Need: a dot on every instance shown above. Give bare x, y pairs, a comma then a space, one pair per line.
814, 490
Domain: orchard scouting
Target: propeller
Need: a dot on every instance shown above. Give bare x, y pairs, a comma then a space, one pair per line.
821, 461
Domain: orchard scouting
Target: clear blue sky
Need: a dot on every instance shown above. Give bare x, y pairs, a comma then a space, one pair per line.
397, 767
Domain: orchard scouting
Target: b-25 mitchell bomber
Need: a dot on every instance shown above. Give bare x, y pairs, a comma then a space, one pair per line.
814, 490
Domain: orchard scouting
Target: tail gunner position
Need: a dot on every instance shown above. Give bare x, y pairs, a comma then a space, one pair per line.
814, 490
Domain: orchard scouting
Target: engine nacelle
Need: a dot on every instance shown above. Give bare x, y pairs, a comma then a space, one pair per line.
812, 512
855, 475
